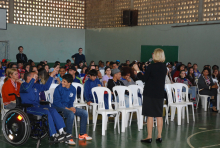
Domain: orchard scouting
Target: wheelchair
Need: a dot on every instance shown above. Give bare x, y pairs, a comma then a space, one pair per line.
18, 126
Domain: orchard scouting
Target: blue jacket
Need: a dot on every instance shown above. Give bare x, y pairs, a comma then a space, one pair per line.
29, 92
64, 97
88, 89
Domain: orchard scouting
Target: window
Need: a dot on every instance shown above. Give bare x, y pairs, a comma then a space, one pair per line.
5, 4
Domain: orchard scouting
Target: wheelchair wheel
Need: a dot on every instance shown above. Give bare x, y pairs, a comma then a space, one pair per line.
16, 127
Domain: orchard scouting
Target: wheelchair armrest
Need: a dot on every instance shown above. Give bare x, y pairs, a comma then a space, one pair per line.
44, 102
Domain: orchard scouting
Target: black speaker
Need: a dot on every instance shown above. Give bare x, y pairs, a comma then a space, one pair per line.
130, 17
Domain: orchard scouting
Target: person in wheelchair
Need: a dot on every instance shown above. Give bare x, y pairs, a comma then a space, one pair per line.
12, 85
29, 93
64, 96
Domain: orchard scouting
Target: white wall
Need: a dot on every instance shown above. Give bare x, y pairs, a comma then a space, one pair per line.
43, 43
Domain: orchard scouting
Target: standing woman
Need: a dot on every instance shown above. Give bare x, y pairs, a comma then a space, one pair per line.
153, 96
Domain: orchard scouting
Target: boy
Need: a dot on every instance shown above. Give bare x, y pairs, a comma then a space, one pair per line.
29, 92
21, 57
90, 83
64, 96
68, 63
72, 71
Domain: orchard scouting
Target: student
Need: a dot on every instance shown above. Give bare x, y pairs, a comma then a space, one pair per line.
68, 63
21, 57
190, 76
29, 93
34, 68
216, 75
47, 68
102, 67
62, 72
39, 66
79, 57
87, 76
64, 96
99, 73
128, 62
72, 72
90, 83
83, 72
27, 67
114, 66
11, 85
189, 65
92, 63
196, 71
22, 72
76, 66
126, 79
107, 64
107, 76
80, 64
208, 87
177, 73
182, 79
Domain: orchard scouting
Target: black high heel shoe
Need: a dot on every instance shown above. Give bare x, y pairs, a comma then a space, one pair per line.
159, 140
147, 140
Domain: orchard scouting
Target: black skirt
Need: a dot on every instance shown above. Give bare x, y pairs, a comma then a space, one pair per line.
152, 107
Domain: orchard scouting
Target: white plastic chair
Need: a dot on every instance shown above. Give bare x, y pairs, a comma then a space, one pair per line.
179, 104
175, 79
81, 103
101, 108
140, 83
53, 85
49, 97
204, 99
135, 89
122, 108
79, 70
102, 72
181, 85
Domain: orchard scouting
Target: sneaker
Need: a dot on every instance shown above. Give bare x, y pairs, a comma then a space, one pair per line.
67, 135
70, 142
112, 115
84, 137
57, 138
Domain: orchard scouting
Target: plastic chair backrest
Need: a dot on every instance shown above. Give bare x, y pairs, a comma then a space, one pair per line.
49, 95
102, 72
76, 85
100, 95
178, 92
121, 95
79, 70
175, 79
135, 89
140, 83
53, 86
2, 104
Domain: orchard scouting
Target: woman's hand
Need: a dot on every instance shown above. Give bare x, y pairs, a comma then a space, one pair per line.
215, 86
19, 81
135, 66
58, 79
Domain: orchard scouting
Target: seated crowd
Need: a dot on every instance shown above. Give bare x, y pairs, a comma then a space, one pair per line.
29, 82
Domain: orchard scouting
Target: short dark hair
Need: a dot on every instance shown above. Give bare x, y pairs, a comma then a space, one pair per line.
27, 75
93, 72
68, 78
39, 65
13, 64
32, 67
125, 71
107, 68
206, 68
79, 48
20, 47
55, 65
68, 60
57, 62
189, 63
106, 62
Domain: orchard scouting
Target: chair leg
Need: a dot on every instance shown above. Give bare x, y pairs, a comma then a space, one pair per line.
187, 114
106, 122
94, 126
118, 123
138, 120
103, 124
183, 112
87, 109
167, 115
93, 112
179, 115
131, 118
205, 104
123, 121
197, 102
193, 112
76, 127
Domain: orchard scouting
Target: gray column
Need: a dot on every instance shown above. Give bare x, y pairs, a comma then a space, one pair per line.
200, 13
132, 4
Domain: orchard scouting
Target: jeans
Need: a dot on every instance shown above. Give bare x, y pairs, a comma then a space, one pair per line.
191, 90
69, 115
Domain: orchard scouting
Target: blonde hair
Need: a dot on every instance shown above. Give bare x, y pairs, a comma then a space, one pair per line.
159, 55
9, 72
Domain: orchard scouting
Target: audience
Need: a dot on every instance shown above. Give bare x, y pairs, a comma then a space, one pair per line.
27, 67
114, 66
177, 72
207, 87
68, 63
62, 72
190, 76
107, 76
216, 75
47, 68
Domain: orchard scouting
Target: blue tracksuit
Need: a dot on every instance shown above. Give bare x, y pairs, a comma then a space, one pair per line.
88, 92
29, 93
64, 97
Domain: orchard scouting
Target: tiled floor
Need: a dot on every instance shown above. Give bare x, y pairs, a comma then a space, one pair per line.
205, 132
